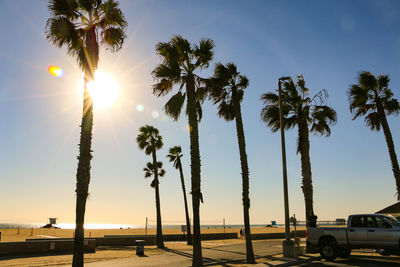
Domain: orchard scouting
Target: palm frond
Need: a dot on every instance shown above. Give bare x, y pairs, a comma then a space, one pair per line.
204, 53
271, 98
199, 110
87, 5
62, 32
175, 153
226, 110
174, 105
112, 15
323, 117
243, 82
373, 121
392, 106
65, 8
162, 173
113, 38
270, 115
367, 80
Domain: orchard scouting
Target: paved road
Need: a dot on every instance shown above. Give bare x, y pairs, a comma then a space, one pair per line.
365, 260
211, 256
226, 255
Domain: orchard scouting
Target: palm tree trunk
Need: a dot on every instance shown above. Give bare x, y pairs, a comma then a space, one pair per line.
195, 170
390, 144
159, 237
304, 149
83, 175
245, 179
189, 234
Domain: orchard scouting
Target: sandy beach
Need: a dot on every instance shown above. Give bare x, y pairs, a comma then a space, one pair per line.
12, 235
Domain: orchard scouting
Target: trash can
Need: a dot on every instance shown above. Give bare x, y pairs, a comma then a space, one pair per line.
139, 247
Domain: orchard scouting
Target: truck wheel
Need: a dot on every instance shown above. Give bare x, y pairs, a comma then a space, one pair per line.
344, 252
328, 249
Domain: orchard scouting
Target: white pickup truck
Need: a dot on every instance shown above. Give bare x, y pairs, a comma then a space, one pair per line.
376, 231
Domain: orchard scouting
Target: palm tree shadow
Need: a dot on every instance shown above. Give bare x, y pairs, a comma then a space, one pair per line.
210, 261
230, 251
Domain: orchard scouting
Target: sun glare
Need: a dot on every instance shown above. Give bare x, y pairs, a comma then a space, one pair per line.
104, 90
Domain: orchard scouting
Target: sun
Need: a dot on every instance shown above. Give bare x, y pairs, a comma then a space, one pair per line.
104, 90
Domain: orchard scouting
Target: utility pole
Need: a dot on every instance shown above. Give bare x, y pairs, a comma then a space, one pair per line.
287, 244
145, 229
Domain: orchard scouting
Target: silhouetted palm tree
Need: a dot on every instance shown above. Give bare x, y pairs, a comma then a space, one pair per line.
150, 141
309, 115
155, 171
80, 26
373, 99
175, 154
227, 90
180, 62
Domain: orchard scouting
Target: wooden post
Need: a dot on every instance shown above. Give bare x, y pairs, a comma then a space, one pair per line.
145, 229
18, 230
32, 231
90, 234
224, 225
0, 236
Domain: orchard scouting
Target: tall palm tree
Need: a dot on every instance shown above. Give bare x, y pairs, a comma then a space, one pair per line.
373, 99
155, 171
150, 141
180, 61
80, 26
227, 90
175, 155
309, 115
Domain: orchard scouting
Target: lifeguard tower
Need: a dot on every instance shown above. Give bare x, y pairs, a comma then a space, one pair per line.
52, 221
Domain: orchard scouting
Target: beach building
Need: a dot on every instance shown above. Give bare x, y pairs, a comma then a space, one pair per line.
393, 210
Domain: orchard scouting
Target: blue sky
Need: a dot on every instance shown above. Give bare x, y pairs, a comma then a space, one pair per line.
328, 42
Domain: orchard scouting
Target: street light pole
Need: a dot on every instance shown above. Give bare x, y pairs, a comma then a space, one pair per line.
288, 245
284, 169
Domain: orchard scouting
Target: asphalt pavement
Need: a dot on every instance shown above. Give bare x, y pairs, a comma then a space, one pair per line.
267, 253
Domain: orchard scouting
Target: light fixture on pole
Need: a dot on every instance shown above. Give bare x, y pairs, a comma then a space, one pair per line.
287, 244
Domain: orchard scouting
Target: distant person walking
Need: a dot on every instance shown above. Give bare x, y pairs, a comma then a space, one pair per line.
241, 233
312, 219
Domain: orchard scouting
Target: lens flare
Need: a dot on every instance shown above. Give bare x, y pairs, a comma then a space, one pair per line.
139, 107
155, 114
55, 71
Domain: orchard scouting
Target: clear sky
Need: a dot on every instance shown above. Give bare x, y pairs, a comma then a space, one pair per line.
328, 42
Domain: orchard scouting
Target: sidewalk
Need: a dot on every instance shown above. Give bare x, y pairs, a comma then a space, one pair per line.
267, 253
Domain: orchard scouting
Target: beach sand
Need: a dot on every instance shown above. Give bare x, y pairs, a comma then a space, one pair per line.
11, 235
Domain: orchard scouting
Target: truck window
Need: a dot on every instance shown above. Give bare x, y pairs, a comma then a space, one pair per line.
392, 220
371, 221
358, 221
380, 223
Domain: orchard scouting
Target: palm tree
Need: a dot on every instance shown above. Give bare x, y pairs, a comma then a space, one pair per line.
155, 171
227, 90
373, 99
180, 62
150, 141
175, 154
80, 26
309, 115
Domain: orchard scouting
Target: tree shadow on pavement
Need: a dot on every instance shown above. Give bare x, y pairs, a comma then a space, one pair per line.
208, 261
356, 260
